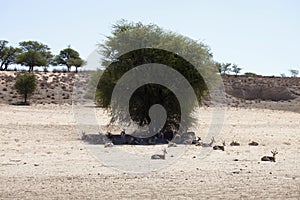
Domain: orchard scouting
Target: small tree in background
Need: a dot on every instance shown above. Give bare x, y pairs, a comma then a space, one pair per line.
68, 57
26, 85
250, 74
294, 72
236, 69
76, 62
225, 68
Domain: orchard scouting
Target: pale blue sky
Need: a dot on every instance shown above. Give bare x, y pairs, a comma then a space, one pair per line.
261, 36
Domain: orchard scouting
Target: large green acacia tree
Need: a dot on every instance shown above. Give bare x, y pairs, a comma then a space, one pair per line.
34, 54
134, 44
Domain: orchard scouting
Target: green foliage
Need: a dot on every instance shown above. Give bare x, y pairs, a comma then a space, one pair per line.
130, 36
133, 44
26, 85
250, 74
68, 57
34, 54
236, 69
294, 72
225, 68
31, 58
7, 55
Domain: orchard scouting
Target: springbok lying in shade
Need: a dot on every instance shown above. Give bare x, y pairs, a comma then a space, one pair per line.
196, 141
234, 143
253, 143
108, 144
172, 144
270, 158
207, 144
160, 156
218, 147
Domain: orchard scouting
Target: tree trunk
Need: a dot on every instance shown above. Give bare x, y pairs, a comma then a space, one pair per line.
5, 67
30, 69
25, 98
4, 61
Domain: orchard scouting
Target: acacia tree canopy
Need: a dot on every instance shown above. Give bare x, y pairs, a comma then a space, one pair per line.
26, 85
294, 72
133, 44
69, 57
7, 54
236, 69
34, 54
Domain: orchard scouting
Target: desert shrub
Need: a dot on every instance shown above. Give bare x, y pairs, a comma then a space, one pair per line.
250, 74
26, 85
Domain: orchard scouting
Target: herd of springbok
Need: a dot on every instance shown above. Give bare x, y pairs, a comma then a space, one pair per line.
197, 142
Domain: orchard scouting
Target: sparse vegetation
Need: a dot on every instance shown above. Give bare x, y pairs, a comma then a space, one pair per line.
36, 54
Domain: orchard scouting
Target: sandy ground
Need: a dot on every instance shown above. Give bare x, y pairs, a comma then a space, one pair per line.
42, 157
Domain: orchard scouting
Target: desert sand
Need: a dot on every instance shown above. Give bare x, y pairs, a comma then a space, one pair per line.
43, 157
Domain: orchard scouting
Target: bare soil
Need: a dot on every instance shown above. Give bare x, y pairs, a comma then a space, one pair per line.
42, 157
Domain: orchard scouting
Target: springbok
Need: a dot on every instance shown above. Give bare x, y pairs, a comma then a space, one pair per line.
208, 144
218, 147
160, 156
83, 135
234, 143
108, 144
253, 143
270, 158
196, 141
171, 144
